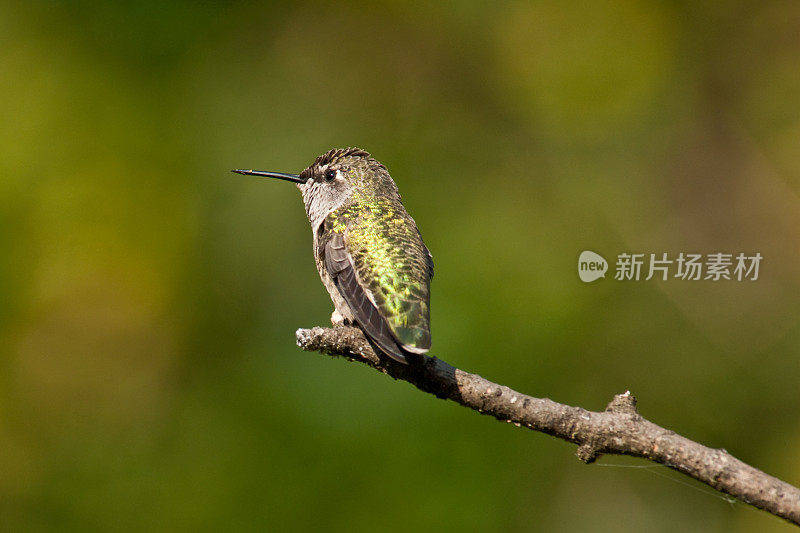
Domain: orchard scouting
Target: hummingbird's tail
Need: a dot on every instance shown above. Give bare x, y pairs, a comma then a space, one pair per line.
395, 351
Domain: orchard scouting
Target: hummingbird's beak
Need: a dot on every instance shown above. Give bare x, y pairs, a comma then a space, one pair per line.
280, 175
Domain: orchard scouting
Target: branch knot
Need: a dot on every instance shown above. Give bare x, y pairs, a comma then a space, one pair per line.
624, 403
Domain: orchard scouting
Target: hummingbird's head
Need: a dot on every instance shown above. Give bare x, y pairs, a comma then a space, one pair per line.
336, 177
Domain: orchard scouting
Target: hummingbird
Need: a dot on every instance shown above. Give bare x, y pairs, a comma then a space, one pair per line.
368, 250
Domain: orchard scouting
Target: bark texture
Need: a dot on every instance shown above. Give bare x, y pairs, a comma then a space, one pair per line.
617, 430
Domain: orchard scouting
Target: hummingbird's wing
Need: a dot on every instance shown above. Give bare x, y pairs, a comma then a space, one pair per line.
385, 279
340, 268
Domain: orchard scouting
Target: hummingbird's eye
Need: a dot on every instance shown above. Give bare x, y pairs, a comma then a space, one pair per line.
330, 175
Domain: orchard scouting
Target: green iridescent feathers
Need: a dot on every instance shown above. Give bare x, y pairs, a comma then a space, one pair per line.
392, 264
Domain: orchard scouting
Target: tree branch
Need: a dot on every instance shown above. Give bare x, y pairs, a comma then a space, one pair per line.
617, 430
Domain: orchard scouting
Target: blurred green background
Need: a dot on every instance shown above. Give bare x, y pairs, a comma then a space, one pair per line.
149, 297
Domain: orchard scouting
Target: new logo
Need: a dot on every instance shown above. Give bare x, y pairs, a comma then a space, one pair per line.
591, 266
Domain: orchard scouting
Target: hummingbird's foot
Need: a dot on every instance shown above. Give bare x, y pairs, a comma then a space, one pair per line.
337, 319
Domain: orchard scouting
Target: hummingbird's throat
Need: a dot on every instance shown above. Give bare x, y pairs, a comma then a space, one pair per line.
321, 199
